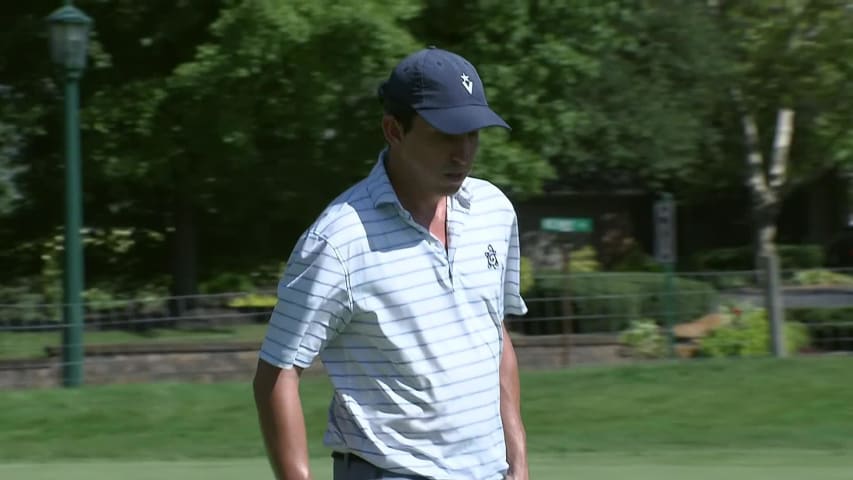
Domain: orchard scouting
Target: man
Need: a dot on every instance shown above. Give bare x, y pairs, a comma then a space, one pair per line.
401, 287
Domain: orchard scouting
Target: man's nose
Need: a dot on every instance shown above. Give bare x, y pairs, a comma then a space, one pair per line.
464, 146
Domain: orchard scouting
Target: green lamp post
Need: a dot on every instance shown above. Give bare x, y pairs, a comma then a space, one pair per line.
69, 34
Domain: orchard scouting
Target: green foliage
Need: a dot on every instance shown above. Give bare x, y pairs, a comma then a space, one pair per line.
787, 54
260, 278
747, 334
253, 300
22, 304
829, 328
608, 302
645, 338
594, 89
110, 263
801, 256
228, 282
32, 301
635, 259
215, 120
503, 161
743, 258
584, 260
9, 193
528, 275
821, 277
146, 299
98, 299
21, 116
817, 316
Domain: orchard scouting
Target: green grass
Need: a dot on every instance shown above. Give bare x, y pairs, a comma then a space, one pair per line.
32, 344
790, 465
750, 419
748, 404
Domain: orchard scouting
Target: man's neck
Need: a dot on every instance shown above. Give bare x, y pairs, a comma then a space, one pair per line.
424, 206
420, 205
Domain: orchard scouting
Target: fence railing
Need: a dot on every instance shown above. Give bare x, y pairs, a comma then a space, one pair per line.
705, 314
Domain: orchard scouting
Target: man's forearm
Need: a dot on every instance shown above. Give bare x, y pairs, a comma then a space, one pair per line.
282, 422
514, 433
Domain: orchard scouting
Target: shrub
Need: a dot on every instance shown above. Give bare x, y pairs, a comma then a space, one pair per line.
22, 305
98, 299
253, 301
819, 276
816, 316
227, 282
636, 260
747, 334
608, 302
795, 257
829, 328
791, 257
528, 275
645, 338
584, 260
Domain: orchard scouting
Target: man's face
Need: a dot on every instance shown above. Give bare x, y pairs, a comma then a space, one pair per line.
440, 162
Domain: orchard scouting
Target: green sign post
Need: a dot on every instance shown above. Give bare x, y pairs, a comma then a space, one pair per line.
564, 226
664, 217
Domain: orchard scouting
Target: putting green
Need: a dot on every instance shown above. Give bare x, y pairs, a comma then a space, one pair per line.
715, 465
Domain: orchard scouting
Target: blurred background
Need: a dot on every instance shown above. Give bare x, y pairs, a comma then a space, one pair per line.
681, 170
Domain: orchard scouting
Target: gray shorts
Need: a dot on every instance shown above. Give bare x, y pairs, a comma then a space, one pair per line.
350, 467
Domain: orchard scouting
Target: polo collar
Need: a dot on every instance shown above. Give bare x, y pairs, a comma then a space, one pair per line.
381, 191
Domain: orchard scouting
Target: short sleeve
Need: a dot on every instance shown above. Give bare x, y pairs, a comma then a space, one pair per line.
513, 302
313, 305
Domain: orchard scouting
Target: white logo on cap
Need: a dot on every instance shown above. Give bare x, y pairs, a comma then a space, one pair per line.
468, 84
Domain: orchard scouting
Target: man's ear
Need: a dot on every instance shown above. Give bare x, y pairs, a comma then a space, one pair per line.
392, 130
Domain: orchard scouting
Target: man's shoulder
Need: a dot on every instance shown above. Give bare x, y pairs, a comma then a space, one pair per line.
342, 219
485, 194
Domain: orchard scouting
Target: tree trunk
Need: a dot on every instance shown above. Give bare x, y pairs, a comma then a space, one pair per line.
184, 256
771, 279
766, 193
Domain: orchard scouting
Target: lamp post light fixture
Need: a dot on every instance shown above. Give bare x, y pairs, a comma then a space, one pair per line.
69, 35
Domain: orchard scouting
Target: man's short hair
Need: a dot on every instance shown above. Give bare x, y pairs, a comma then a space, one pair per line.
403, 112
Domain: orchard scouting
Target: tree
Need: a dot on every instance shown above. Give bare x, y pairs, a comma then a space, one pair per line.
28, 101
787, 57
131, 40
11, 139
604, 93
235, 150
221, 126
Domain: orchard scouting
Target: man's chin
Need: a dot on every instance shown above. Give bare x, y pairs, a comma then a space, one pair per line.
449, 188
452, 183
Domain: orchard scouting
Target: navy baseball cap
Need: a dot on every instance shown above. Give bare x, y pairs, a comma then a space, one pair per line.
444, 89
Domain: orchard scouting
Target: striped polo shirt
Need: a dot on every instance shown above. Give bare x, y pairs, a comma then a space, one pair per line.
409, 331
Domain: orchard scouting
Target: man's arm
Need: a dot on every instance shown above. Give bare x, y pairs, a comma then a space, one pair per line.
514, 434
282, 422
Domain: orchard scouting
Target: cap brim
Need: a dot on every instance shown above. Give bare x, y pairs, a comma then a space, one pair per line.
459, 120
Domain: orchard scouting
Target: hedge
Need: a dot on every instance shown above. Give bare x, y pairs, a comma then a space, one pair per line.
829, 328
791, 257
749, 336
608, 302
